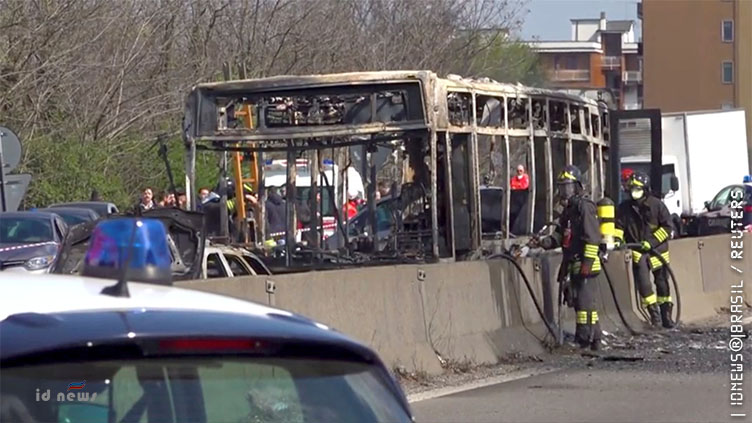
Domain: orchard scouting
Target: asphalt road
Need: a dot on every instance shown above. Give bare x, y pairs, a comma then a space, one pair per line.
595, 394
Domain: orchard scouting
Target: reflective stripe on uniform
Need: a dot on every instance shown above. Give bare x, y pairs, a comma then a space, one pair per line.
596, 265
582, 317
636, 255
594, 315
231, 205
655, 262
591, 251
649, 300
662, 300
619, 234
660, 234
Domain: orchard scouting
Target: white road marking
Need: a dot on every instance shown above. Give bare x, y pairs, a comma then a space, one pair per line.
482, 383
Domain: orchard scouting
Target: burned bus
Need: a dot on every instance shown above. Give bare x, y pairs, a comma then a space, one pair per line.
448, 148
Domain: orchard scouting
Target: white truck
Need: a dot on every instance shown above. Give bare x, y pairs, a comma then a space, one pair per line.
702, 153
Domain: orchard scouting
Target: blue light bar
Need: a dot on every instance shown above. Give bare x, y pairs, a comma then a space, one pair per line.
141, 244
328, 162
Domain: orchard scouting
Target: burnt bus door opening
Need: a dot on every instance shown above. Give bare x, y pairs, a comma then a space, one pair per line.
461, 191
613, 183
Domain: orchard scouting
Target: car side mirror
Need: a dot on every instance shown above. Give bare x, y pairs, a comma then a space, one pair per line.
707, 205
674, 183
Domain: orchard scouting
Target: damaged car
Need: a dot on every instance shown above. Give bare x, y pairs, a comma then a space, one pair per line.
193, 257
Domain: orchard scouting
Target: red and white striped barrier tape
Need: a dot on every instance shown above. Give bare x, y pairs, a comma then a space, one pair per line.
21, 247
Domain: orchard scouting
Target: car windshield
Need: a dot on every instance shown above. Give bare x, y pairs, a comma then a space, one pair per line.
72, 219
205, 390
24, 230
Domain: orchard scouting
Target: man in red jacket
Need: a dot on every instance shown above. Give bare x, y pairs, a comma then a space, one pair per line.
521, 181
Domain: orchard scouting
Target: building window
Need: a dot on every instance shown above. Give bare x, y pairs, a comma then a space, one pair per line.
571, 62
727, 72
727, 31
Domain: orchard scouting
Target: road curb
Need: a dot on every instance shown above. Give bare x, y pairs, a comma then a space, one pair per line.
481, 383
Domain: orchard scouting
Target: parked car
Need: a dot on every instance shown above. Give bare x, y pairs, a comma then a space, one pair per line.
102, 208
77, 350
73, 215
717, 217
225, 261
30, 241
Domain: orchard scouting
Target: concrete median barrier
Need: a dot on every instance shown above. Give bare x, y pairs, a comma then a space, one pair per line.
423, 317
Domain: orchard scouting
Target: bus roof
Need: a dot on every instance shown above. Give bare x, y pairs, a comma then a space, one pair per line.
455, 81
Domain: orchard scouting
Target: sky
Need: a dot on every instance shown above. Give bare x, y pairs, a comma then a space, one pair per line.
548, 20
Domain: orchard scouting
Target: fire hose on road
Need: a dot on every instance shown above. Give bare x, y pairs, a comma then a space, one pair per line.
556, 334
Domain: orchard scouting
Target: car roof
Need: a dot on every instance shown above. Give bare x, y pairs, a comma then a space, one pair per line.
48, 293
30, 214
71, 210
40, 314
82, 203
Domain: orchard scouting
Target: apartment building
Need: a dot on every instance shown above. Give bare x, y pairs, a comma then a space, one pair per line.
698, 55
602, 59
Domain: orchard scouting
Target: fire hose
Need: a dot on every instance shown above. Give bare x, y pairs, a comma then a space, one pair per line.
529, 286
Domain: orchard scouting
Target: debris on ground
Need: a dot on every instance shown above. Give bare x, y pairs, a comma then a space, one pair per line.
692, 348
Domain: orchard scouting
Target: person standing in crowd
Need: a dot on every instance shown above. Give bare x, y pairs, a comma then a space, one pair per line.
202, 194
168, 200
351, 207
275, 212
147, 200
383, 189
182, 200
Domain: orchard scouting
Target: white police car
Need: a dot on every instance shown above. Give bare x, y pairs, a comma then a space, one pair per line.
80, 349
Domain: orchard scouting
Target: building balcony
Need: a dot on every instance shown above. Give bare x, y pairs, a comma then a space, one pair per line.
570, 75
633, 77
610, 62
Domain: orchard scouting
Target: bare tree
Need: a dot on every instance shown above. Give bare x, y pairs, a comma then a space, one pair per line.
108, 76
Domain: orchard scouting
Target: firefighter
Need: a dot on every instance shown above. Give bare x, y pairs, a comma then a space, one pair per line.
643, 219
578, 233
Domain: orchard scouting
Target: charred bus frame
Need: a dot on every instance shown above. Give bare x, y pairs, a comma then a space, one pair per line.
459, 136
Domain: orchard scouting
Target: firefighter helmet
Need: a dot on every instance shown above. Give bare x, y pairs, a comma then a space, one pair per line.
571, 173
569, 181
639, 179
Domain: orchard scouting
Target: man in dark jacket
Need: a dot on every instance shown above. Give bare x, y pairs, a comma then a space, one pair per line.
275, 212
644, 219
